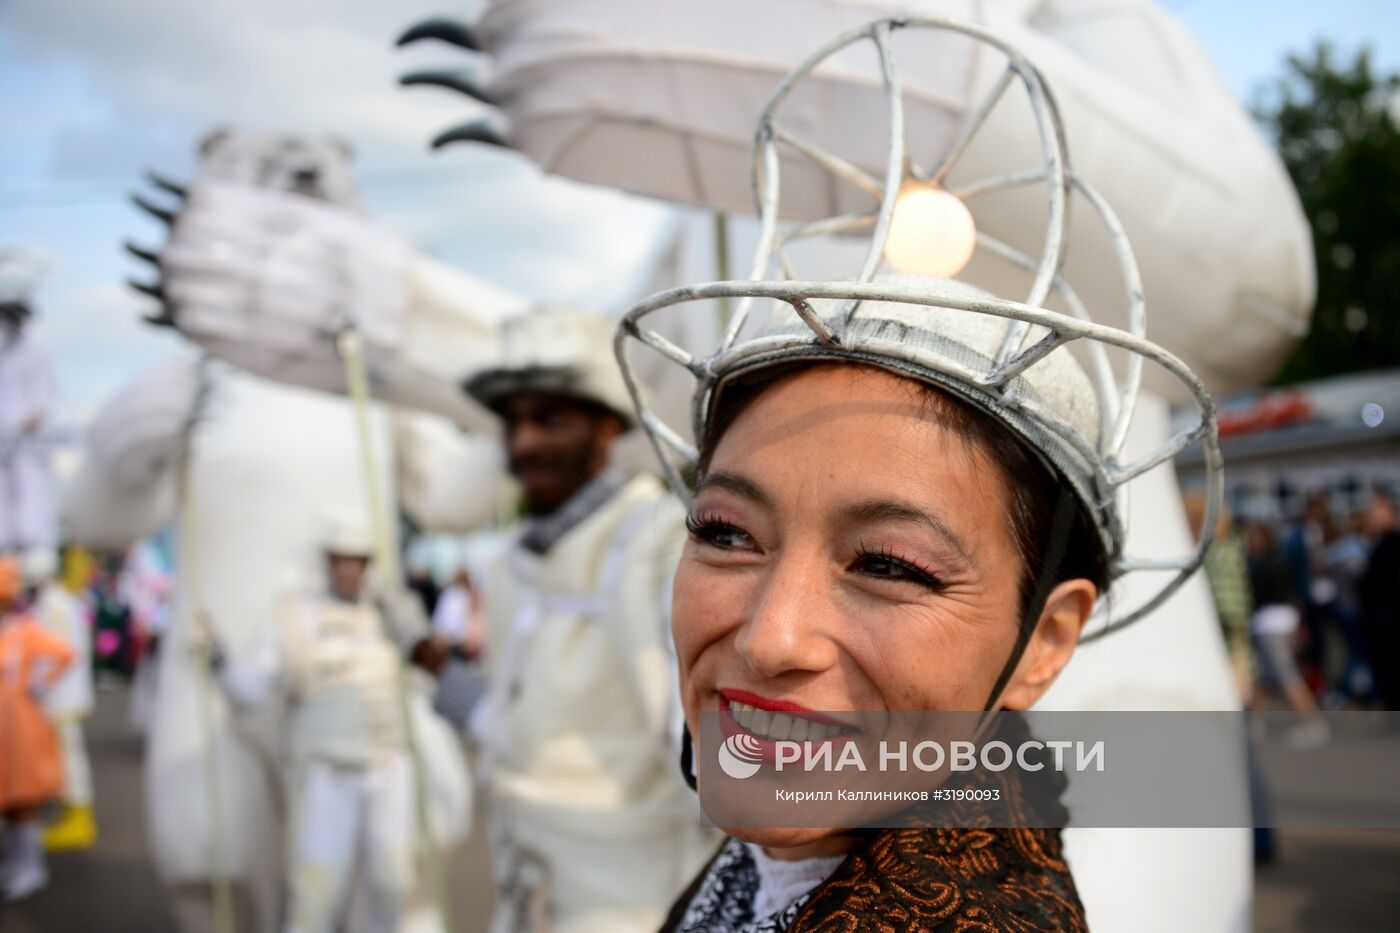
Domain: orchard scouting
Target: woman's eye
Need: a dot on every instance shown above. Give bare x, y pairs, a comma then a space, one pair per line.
889, 567
720, 534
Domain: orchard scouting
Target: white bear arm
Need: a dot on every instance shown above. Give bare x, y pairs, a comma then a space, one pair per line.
268, 280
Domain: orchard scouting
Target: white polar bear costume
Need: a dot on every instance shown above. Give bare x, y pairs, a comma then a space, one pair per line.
264, 462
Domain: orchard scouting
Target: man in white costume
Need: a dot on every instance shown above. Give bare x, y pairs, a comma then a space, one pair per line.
352, 793
69, 701
592, 827
28, 395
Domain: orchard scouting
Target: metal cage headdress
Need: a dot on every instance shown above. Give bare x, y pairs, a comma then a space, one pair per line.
996, 382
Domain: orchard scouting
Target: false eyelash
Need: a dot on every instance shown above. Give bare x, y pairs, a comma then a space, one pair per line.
705, 526
921, 574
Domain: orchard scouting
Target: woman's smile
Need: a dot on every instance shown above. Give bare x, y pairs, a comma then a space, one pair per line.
772, 719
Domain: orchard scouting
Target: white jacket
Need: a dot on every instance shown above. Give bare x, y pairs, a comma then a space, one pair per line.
594, 829
339, 670
28, 392
28, 387
64, 615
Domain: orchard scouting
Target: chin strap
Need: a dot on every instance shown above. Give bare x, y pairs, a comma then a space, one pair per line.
687, 758
1060, 529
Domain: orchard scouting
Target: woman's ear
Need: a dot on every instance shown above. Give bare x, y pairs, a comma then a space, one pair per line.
1051, 644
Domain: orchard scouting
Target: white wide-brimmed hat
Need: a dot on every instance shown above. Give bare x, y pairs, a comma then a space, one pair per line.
559, 350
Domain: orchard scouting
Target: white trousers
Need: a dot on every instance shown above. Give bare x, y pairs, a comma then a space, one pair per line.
77, 772
349, 819
26, 502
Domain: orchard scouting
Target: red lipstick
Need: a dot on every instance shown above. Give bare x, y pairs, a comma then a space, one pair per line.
779, 706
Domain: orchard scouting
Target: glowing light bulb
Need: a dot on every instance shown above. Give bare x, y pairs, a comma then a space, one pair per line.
931, 233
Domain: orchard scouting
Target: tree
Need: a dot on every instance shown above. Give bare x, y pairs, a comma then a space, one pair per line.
1335, 124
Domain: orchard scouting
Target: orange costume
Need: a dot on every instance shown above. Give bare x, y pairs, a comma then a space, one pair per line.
31, 659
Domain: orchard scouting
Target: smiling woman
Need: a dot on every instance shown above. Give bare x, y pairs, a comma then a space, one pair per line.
861, 540
906, 499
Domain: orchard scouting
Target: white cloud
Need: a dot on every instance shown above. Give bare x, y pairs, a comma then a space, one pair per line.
115, 87
163, 67
111, 317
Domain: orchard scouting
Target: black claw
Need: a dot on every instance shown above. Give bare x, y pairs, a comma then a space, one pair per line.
161, 319
159, 213
143, 254
152, 290
478, 131
165, 184
455, 80
452, 31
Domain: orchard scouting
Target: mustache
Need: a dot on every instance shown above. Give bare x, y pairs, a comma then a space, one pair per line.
554, 464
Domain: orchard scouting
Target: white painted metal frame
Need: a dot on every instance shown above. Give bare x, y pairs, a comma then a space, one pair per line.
1117, 397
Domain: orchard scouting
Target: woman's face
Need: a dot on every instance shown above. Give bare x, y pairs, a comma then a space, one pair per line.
848, 552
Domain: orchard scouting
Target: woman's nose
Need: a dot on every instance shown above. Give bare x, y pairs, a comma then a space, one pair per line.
788, 630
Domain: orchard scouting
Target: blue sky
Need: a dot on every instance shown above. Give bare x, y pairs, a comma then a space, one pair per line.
94, 91
1248, 39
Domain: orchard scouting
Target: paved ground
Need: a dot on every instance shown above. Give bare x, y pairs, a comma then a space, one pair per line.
1330, 880
1325, 880
112, 888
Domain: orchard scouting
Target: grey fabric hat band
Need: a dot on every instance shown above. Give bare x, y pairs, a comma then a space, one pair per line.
870, 342
493, 386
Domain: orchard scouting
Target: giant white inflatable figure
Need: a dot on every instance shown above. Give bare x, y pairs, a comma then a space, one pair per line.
262, 462
662, 99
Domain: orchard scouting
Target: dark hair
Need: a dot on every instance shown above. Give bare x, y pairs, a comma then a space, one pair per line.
1032, 489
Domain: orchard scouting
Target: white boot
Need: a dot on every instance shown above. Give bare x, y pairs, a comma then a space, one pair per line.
30, 873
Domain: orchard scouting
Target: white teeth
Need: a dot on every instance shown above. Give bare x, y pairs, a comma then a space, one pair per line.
781, 727
762, 719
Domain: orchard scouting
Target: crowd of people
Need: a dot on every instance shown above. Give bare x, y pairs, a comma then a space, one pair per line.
71, 623
1310, 608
